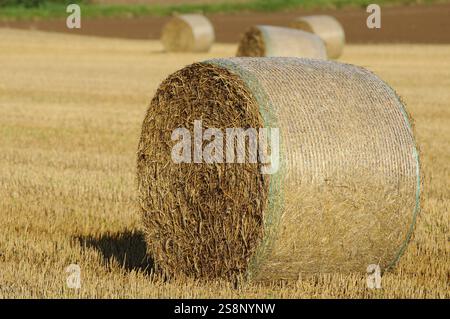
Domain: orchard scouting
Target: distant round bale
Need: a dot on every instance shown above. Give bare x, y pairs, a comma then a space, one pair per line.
188, 33
340, 192
270, 41
327, 28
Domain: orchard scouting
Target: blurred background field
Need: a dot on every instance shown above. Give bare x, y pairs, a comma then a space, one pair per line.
403, 21
71, 109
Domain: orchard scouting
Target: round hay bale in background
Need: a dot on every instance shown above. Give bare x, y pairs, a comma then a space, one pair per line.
345, 195
327, 28
188, 33
266, 41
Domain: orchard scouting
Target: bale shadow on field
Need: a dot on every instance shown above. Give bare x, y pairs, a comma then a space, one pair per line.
127, 248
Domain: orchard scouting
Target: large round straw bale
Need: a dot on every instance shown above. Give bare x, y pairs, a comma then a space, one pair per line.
327, 28
188, 33
266, 41
345, 195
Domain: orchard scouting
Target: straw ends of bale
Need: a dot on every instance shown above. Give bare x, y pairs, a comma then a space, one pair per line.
188, 33
345, 195
327, 28
267, 41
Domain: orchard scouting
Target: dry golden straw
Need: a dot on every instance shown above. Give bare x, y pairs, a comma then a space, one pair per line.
327, 28
188, 33
266, 41
345, 196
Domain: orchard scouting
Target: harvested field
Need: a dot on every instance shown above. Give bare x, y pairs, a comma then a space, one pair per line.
71, 110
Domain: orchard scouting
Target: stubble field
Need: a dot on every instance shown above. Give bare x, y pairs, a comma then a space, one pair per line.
70, 114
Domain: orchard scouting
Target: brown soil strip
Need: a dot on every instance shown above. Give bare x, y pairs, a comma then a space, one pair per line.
406, 24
